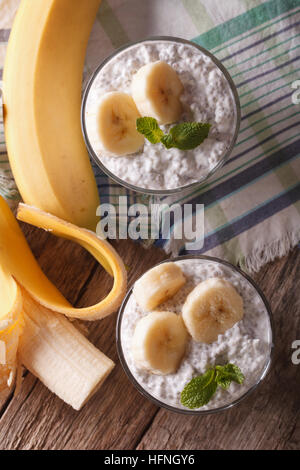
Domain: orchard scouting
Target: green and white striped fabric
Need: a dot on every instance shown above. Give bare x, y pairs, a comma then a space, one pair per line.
252, 208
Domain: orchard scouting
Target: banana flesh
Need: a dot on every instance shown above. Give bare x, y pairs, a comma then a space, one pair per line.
159, 342
212, 308
60, 356
116, 124
156, 90
158, 285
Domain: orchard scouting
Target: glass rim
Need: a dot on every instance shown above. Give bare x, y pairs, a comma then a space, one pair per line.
187, 411
161, 192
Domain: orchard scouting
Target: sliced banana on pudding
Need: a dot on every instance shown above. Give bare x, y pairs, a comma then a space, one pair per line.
156, 90
159, 342
116, 124
158, 285
212, 307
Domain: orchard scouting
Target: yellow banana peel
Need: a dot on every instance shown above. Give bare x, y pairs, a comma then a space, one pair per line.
17, 257
11, 327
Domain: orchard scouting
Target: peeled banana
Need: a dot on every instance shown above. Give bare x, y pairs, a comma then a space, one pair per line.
61, 357
212, 307
159, 342
40, 338
116, 124
156, 90
158, 285
42, 98
48, 345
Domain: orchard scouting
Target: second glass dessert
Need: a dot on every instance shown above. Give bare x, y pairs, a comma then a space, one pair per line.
174, 81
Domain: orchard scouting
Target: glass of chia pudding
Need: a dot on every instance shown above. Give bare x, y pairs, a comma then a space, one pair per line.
195, 335
173, 81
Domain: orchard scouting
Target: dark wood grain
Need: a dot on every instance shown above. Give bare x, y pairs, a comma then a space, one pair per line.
118, 417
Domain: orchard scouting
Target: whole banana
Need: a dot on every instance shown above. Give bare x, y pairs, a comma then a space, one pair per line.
42, 98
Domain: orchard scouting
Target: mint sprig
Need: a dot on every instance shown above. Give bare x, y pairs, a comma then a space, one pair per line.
188, 135
149, 127
227, 374
184, 136
200, 390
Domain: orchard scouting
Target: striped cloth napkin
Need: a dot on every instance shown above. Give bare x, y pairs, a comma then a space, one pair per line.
252, 208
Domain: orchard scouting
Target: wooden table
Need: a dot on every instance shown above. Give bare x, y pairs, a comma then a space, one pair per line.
118, 417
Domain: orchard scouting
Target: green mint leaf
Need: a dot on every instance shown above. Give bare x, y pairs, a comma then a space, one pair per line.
227, 374
184, 136
188, 135
199, 390
224, 382
168, 141
149, 127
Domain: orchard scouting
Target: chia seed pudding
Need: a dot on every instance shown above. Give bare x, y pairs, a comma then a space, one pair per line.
207, 97
247, 344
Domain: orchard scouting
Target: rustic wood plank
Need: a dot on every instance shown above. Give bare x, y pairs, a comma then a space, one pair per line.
117, 415
269, 418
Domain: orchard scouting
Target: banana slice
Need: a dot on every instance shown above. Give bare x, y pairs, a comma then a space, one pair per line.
158, 285
212, 307
116, 124
156, 90
159, 342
